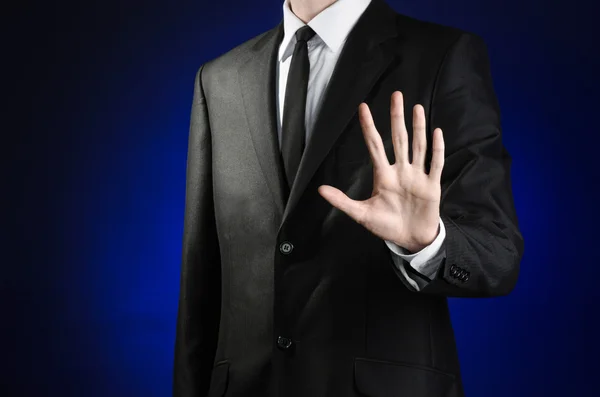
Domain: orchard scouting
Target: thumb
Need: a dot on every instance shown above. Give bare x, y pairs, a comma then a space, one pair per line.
353, 208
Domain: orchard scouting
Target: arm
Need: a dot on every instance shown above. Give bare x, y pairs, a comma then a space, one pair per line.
199, 299
420, 267
483, 244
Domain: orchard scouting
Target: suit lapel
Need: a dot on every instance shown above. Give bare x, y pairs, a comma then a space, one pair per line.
361, 63
257, 83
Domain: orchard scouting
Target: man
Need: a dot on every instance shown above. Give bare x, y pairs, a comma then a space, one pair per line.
346, 174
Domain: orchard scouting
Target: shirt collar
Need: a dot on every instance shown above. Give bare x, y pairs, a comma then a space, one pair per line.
332, 25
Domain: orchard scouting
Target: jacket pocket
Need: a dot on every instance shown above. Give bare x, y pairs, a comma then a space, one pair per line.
219, 379
379, 378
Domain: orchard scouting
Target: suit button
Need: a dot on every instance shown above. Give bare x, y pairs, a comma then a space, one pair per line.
284, 343
286, 247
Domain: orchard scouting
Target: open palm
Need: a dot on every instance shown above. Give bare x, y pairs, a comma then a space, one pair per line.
404, 205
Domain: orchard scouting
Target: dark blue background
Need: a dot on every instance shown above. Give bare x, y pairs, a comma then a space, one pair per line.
95, 135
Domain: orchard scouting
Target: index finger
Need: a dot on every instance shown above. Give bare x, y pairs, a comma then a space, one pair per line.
372, 137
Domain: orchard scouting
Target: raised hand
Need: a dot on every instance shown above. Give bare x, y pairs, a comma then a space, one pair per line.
405, 204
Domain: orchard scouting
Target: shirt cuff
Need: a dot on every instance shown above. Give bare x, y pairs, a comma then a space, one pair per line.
422, 261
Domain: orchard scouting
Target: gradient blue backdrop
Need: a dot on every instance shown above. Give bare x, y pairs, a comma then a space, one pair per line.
102, 93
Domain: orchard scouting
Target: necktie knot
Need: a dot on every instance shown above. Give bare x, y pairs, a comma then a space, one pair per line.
305, 33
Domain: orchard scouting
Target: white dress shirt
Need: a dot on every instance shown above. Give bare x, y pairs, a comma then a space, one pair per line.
332, 26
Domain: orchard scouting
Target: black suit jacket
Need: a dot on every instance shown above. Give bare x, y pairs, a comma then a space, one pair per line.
292, 298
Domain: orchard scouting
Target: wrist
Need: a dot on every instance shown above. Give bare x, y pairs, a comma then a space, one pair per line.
416, 243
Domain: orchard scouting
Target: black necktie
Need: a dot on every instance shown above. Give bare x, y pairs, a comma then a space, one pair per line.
294, 106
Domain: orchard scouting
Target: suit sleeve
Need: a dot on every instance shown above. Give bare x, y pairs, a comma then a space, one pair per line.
483, 244
199, 297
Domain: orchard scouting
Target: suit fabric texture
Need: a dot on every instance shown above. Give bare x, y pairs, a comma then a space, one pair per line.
283, 295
